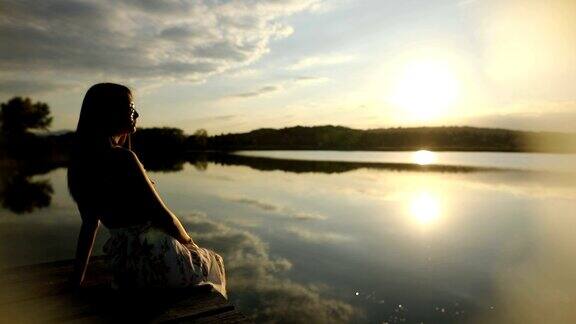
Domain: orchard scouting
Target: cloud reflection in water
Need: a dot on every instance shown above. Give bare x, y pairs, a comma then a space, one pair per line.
257, 282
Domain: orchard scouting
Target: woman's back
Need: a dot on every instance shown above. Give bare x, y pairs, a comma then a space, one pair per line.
109, 187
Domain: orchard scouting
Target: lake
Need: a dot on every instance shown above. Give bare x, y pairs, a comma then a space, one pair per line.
364, 237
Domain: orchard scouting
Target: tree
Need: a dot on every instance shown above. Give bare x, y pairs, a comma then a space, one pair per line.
159, 140
201, 136
198, 141
19, 115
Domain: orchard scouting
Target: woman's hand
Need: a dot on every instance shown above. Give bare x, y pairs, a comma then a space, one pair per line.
186, 239
86, 238
74, 282
190, 243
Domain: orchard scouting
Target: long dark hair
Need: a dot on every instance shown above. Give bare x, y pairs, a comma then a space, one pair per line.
103, 115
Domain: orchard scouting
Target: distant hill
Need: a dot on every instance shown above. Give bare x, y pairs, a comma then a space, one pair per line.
458, 138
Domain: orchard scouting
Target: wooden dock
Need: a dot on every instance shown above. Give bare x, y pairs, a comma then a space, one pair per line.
40, 294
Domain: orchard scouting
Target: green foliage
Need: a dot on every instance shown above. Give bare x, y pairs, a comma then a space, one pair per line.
18, 115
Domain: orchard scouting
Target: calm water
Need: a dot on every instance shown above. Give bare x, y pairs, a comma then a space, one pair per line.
326, 241
523, 161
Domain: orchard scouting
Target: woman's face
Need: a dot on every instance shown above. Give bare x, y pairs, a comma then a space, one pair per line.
127, 117
132, 115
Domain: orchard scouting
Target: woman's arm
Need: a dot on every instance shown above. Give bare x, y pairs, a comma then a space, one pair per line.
84, 248
146, 194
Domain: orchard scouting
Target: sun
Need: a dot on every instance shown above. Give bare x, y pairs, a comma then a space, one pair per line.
425, 89
425, 208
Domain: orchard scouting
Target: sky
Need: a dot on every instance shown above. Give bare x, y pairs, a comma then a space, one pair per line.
239, 65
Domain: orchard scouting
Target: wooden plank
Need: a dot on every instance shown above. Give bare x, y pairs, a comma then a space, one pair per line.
54, 282
39, 293
123, 307
101, 302
49, 271
45, 310
209, 305
232, 317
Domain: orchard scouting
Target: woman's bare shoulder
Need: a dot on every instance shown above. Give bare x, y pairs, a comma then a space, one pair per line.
126, 163
124, 156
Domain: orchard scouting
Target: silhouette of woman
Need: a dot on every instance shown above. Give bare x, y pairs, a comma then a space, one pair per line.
148, 246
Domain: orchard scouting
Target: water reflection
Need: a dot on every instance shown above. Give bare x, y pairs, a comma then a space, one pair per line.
340, 242
329, 167
162, 163
258, 282
423, 157
19, 191
425, 208
22, 195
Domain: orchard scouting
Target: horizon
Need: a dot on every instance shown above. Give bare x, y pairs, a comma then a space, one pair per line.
62, 131
237, 66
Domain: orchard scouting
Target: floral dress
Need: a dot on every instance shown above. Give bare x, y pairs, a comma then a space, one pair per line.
143, 256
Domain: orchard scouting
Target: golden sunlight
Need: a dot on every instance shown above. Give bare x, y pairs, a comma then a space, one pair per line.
425, 89
425, 208
423, 157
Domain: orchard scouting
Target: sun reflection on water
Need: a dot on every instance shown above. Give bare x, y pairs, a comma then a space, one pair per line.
425, 208
423, 157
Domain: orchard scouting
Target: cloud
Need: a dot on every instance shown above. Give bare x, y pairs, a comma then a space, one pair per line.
259, 281
215, 118
297, 81
308, 216
30, 87
257, 203
140, 39
189, 33
317, 236
281, 210
243, 73
257, 93
320, 60
303, 80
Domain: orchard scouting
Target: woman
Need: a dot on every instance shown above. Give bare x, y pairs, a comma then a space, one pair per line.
148, 246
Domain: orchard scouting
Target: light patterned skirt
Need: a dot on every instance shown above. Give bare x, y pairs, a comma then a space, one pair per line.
145, 257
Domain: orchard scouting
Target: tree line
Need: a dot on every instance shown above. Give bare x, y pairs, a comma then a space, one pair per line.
453, 138
22, 122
